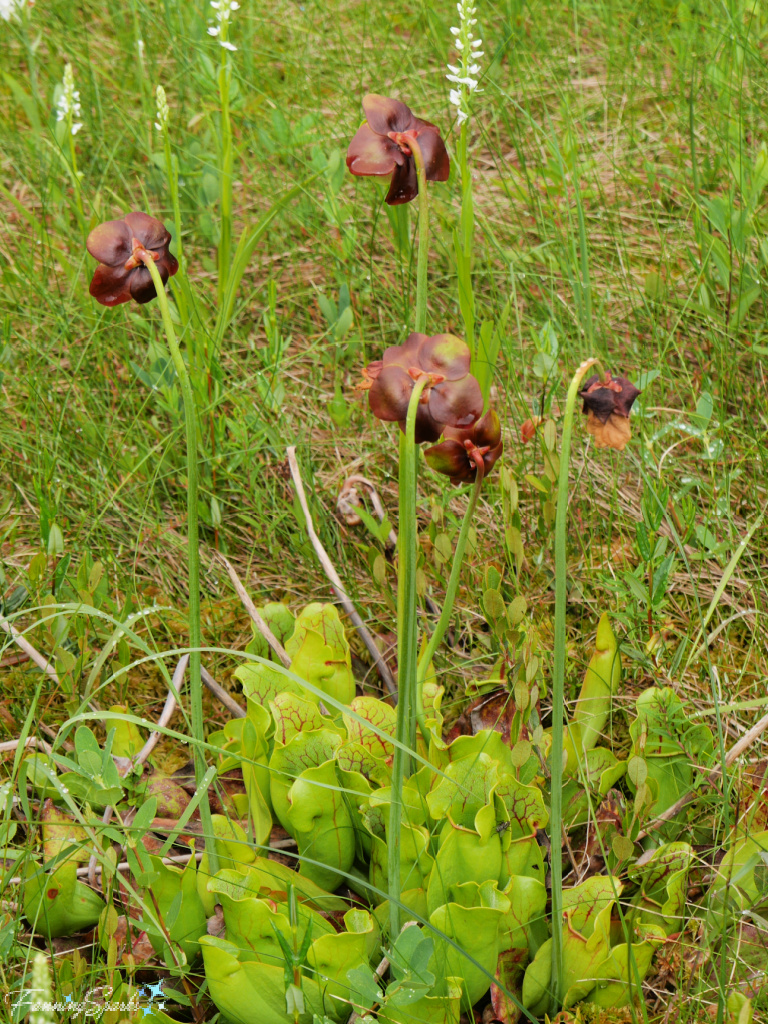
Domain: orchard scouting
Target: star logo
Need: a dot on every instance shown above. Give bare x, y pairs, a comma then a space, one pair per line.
156, 990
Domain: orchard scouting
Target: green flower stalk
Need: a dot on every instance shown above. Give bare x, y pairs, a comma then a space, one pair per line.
463, 78
162, 123
223, 10
135, 263
558, 688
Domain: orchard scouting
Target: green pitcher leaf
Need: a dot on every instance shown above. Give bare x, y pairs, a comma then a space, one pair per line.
624, 968
601, 682
332, 956
379, 714
175, 898
663, 878
62, 836
293, 714
280, 620
249, 992
128, 740
305, 750
56, 903
475, 930
320, 652
319, 819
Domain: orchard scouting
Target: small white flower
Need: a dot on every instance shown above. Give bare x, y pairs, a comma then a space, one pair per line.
454, 97
68, 106
461, 117
213, 30
475, 43
163, 110
10, 9
228, 46
455, 31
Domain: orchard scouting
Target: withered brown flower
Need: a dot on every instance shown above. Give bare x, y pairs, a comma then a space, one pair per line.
119, 246
382, 147
452, 395
607, 403
462, 451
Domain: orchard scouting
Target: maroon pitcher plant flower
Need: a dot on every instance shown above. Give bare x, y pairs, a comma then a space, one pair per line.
121, 246
451, 396
382, 146
463, 450
607, 403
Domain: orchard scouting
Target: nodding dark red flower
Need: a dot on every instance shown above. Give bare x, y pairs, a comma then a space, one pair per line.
382, 147
459, 455
607, 403
452, 395
119, 246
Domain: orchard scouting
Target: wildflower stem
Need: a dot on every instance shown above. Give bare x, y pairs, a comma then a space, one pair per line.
450, 596
463, 242
171, 173
558, 689
420, 320
407, 648
193, 555
226, 171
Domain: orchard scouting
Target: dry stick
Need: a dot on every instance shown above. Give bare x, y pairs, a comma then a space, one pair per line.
736, 750
253, 611
165, 717
381, 666
34, 655
30, 741
221, 694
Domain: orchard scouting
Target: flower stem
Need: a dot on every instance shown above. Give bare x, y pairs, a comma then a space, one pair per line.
407, 649
558, 689
450, 597
464, 244
226, 171
193, 554
422, 260
171, 173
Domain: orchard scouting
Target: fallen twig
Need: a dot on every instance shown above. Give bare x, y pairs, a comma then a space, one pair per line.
31, 741
21, 641
253, 611
221, 694
338, 587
